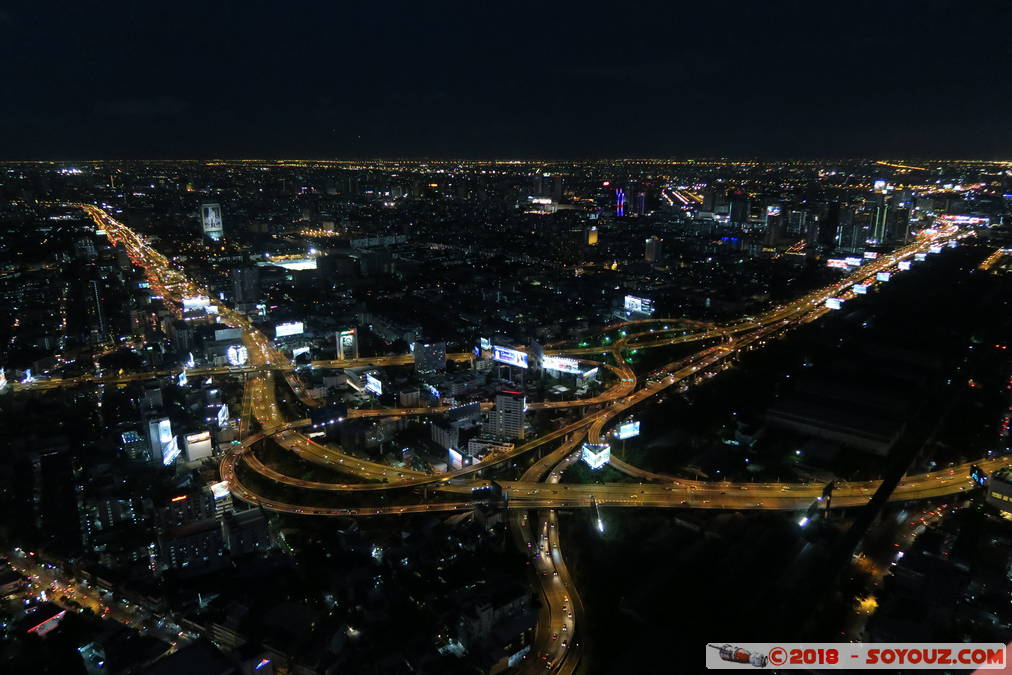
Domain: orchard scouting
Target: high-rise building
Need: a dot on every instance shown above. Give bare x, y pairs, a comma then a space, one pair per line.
880, 224
507, 418
162, 443
591, 235
246, 284
640, 203
619, 202
430, 357
654, 250
96, 317
210, 219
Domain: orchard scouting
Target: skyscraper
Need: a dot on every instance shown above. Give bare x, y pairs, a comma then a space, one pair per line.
96, 317
654, 250
430, 357
507, 419
246, 284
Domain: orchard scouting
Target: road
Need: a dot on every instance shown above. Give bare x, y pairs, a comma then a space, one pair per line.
556, 638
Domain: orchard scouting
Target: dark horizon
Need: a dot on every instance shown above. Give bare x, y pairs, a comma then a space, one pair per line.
728, 79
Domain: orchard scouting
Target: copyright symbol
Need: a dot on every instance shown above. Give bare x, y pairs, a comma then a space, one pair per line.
777, 656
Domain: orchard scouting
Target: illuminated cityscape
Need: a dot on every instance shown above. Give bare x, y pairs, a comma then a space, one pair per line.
458, 409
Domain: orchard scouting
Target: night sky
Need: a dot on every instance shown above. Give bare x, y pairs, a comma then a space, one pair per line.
318, 78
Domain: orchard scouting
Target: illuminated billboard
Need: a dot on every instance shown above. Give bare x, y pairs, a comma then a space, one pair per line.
772, 211
935, 248
639, 305
170, 451
236, 355
374, 385
879, 186
290, 328
210, 218
870, 255
509, 356
596, 455
347, 344
838, 263
920, 257
904, 265
223, 415
456, 460
198, 446
299, 351
854, 262
861, 289
627, 430
834, 303
220, 490
561, 364
953, 244
882, 276
196, 302
485, 344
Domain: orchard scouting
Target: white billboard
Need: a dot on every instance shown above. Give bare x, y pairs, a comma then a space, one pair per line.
290, 328
627, 430
226, 334
834, 303
299, 351
861, 289
509, 356
456, 460
223, 415
920, 257
196, 302
935, 248
639, 305
485, 344
596, 455
882, 276
374, 385
236, 355
904, 265
561, 364
870, 255
198, 446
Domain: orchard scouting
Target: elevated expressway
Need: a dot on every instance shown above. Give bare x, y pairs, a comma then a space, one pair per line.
562, 607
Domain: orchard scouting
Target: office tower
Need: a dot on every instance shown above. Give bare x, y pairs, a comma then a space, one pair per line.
246, 285
430, 357
507, 418
591, 236
880, 224
640, 203
210, 219
162, 444
654, 250
96, 319
54, 477
739, 209
84, 249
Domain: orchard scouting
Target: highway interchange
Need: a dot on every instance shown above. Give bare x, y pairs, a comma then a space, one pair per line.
532, 501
